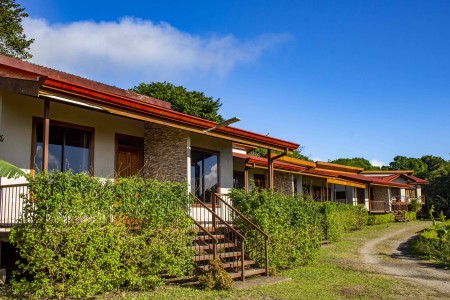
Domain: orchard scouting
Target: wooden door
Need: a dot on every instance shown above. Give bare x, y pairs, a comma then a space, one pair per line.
129, 155
129, 162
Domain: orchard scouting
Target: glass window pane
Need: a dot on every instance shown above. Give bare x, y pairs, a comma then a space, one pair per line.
69, 149
204, 175
197, 174
210, 176
76, 151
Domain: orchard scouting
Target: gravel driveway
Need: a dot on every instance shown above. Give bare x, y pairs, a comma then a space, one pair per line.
389, 255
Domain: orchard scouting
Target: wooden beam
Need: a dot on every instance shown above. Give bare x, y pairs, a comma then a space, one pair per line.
270, 169
46, 134
246, 179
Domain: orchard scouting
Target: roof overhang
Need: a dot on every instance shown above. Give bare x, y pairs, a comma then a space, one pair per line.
47, 83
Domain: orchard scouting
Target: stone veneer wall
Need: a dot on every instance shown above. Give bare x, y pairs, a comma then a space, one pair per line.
165, 153
283, 183
380, 193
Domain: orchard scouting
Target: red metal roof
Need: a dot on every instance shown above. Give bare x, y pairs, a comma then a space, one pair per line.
101, 93
262, 161
375, 180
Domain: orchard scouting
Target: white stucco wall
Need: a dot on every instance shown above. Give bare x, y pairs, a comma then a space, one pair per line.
17, 116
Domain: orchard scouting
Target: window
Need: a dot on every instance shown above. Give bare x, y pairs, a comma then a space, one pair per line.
260, 181
69, 149
341, 195
204, 174
238, 180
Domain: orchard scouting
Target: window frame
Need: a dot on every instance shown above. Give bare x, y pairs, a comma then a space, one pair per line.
209, 204
91, 130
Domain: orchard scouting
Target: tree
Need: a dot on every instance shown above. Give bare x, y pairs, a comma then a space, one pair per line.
355, 162
434, 163
262, 152
410, 163
13, 42
190, 102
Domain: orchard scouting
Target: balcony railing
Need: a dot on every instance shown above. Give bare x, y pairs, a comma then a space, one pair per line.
11, 203
378, 206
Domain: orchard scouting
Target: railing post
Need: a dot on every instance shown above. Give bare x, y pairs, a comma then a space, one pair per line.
242, 260
267, 254
213, 217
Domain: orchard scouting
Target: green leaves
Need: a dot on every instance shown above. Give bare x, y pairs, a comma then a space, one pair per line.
82, 235
189, 102
9, 170
296, 225
13, 42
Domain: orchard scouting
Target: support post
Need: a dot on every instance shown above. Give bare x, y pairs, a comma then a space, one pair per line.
46, 134
246, 179
270, 169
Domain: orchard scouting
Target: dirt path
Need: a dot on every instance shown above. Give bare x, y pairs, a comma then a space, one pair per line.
389, 255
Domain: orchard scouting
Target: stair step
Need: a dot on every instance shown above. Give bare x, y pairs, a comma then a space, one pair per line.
222, 255
247, 273
207, 237
219, 226
210, 246
234, 264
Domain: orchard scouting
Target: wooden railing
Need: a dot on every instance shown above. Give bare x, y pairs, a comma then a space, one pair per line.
399, 206
206, 219
378, 206
229, 212
11, 203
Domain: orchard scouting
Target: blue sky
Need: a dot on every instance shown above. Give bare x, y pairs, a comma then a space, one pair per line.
342, 78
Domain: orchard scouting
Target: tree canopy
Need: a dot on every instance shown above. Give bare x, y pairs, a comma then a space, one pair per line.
190, 102
13, 42
262, 152
356, 162
419, 167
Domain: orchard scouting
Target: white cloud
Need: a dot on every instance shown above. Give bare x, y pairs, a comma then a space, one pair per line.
377, 163
139, 48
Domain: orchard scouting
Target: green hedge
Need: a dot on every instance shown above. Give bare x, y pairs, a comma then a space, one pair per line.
80, 235
296, 225
434, 243
409, 215
340, 218
381, 219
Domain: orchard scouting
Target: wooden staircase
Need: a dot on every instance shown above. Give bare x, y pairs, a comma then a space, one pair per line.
217, 237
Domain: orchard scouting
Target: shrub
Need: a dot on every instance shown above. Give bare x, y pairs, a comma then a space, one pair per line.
80, 235
409, 215
340, 218
434, 243
293, 224
380, 219
296, 225
216, 277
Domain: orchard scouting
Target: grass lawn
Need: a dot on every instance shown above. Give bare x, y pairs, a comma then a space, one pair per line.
335, 275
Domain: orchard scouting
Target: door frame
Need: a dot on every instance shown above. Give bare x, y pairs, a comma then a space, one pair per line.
117, 146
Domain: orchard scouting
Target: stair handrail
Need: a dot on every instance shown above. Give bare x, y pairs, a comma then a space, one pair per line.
198, 201
213, 238
257, 228
241, 215
204, 230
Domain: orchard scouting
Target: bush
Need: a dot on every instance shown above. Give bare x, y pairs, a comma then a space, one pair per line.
434, 243
296, 225
293, 224
340, 218
380, 219
80, 235
409, 215
216, 277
